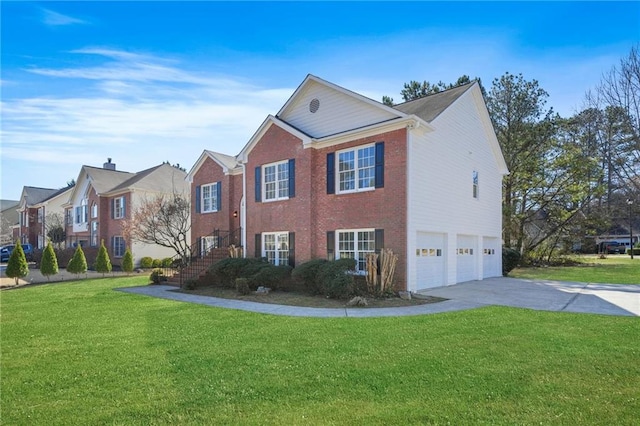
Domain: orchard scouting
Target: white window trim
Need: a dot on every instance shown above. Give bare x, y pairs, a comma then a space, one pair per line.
277, 259
208, 243
355, 244
355, 150
277, 191
214, 197
118, 212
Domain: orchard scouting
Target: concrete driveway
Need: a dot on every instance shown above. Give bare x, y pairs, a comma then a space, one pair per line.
606, 299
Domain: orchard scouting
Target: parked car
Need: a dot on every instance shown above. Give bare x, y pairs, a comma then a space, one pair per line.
5, 252
614, 247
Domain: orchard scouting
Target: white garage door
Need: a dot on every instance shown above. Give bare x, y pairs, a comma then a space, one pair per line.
466, 258
430, 260
490, 257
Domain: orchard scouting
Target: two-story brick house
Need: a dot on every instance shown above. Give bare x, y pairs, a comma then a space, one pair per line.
335, 174
32, 213
103, 198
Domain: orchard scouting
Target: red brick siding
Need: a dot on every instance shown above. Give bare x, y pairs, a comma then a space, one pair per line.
293, 215
313, 212
203, 224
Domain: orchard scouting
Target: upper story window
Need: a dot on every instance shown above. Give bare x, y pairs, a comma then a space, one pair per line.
209, 198
356, 169
118, 208
275, 181
40, 214
94, 210
69, 217
82, 212
475, 184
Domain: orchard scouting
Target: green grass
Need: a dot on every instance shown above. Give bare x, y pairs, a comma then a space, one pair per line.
81, 353
615, 269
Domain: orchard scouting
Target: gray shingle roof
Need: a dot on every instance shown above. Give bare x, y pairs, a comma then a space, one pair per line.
104, 180
33, 195
162, 178
431, 106
228, 161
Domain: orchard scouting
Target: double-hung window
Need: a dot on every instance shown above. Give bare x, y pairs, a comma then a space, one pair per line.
209, 198
275, 247
356, 244
356, 169
118, 208
276, 181
82, 212
118, 246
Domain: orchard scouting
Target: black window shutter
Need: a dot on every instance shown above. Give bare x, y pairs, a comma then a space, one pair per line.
380, 165
379, 236
198, 199
258, 186
331, 245
331, 174
199, 248
292, 178
113, 208
124, 207
292, 249
258, 251
219, 195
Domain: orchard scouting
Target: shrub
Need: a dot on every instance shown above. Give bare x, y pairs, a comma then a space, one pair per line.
510, 259
242, 286
274, 277
103, 263
17, 266
49, 262
157, 276
225, 272
190, 284
127, 262
306, 275
78, 263
166, 262
146, 262
336, 280
156, 263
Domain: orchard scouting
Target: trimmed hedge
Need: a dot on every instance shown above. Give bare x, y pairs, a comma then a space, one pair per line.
306, 275
225, 272
146, 262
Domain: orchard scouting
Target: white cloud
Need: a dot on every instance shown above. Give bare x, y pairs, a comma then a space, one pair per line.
57, 19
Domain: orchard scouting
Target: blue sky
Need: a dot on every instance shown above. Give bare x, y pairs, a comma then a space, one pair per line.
147, 82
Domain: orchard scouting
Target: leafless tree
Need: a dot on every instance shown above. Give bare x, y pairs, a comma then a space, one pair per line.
164, 220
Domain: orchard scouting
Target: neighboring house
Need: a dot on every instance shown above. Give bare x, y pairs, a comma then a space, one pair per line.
8, 221
335, 174
31, 214
45, 212
104, 197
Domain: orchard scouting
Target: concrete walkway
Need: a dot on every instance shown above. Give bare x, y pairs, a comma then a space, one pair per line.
604, 299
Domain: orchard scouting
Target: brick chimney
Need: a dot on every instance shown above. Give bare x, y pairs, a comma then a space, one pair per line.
109, 165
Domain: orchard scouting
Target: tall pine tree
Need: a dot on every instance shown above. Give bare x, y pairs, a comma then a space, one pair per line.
127, 262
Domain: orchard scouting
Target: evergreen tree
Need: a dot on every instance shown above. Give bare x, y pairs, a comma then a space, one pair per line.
127, 262
103, 263
78, 263
49, 262
17, 267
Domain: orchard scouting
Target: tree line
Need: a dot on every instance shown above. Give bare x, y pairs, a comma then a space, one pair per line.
570, 178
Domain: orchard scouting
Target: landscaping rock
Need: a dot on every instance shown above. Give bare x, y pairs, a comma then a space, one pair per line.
357, 301
406, 295
263, 290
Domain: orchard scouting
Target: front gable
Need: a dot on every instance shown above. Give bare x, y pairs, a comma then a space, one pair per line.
319, 109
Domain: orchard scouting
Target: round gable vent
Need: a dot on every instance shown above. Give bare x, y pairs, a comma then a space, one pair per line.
314, 105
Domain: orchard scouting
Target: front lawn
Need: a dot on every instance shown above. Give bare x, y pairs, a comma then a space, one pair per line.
614, 269
81, 353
